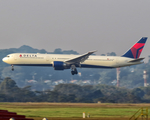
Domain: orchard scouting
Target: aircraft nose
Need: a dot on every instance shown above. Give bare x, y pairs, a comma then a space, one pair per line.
4, 59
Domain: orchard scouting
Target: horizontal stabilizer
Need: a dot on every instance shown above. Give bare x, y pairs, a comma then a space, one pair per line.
136, 60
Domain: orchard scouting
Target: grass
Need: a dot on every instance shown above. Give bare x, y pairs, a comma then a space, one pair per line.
62, 111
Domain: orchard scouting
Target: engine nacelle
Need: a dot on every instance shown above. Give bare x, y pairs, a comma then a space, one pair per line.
59, 65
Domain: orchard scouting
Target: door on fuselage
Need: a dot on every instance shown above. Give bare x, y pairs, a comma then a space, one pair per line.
47, 58
15, 57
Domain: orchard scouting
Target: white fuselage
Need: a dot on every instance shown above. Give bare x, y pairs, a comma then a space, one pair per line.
32, 59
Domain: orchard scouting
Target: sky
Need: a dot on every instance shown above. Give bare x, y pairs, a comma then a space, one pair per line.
80, 25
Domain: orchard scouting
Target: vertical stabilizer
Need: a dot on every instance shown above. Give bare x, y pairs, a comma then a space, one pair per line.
136, 49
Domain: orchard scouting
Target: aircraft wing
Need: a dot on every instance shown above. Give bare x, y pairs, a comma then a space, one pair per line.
80, 58
136, 60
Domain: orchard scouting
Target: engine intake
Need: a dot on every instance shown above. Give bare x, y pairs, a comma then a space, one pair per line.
59, 65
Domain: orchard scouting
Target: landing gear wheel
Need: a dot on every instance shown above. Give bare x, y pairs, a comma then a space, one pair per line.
74, 70
12, 67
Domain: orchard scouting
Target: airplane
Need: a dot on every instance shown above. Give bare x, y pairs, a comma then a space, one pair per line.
87, 60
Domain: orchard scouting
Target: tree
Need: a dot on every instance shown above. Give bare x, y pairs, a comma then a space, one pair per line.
111, 54
71, 98
8, 86
58, 51
138, 92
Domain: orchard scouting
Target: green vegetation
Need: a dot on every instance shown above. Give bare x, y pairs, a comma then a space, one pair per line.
16, 87
10, 92
72, 110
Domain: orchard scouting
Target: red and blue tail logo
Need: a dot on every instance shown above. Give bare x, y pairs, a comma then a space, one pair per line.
136, 49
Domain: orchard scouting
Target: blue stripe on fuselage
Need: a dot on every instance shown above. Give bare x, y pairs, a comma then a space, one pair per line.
44, 65
94, 66
49, 65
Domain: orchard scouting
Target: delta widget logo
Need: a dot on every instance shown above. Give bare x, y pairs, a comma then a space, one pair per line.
137, 49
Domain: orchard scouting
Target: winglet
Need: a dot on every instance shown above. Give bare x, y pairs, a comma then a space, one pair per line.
91, 52
136, 49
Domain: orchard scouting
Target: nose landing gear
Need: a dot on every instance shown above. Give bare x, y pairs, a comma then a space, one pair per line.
12, 67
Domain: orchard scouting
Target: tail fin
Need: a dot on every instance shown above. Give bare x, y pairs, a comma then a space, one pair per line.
136, 49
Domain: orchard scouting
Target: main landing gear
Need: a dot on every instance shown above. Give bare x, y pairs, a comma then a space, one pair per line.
12, 67
73, 70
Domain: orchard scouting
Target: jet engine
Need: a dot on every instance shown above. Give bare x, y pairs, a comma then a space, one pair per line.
59, 65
